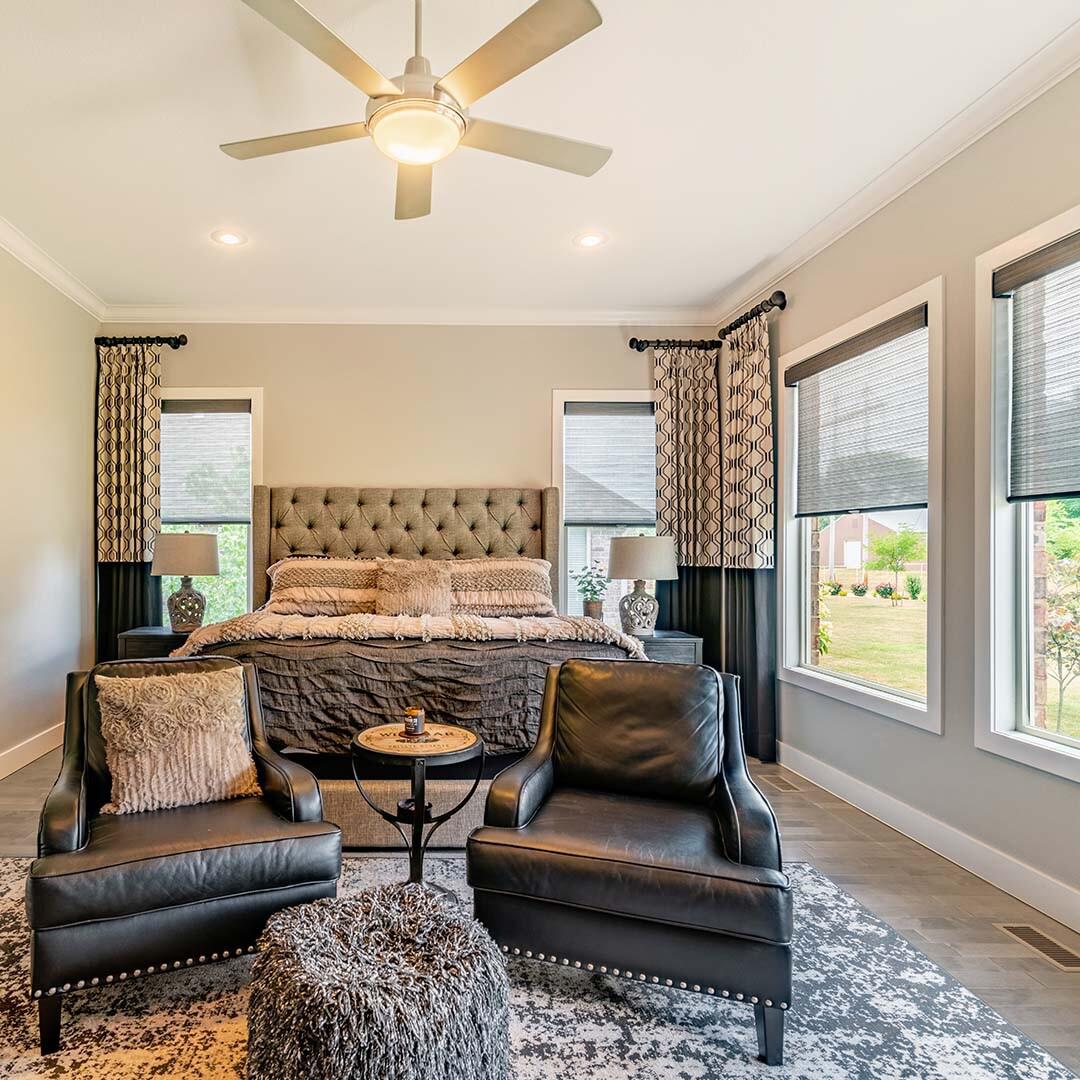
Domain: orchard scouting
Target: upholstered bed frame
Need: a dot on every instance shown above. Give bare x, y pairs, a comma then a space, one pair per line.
409, 523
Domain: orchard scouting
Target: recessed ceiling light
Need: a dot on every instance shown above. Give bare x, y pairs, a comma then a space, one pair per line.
228, 237
590, 239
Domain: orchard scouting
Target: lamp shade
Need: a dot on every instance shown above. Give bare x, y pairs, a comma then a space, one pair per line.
186, 554
644, 558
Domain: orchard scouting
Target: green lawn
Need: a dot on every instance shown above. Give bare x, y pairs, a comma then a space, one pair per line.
874, 640
882, 644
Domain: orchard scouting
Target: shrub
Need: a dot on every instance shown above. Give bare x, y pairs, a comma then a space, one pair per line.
832, 588
885, 591
914, 586
860, 588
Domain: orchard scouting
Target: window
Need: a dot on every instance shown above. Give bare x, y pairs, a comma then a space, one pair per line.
605, 460
1028, 705
860, 454
207, 459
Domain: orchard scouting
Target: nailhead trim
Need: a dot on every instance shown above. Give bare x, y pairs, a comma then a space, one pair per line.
626, 973
152, 969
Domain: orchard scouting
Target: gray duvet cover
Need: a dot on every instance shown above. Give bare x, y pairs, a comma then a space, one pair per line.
317, 694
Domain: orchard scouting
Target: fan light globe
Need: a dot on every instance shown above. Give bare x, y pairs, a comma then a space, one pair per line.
415, 131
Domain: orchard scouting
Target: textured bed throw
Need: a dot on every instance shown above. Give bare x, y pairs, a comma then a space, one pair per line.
264, 626
175, 740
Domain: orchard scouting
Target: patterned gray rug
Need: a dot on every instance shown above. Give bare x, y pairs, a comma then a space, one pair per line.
867, 1005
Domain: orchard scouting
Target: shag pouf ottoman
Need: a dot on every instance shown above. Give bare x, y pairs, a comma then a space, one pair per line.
392, 985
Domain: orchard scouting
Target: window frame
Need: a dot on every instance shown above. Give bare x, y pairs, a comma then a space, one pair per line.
792, 550
253, 395
559, 400
1000, 542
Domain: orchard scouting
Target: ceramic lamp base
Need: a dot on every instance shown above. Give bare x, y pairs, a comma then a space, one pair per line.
187, 606
638, 611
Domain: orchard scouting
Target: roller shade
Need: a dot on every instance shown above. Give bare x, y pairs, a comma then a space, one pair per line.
862, 436
609, 463
205, 462
1044, 407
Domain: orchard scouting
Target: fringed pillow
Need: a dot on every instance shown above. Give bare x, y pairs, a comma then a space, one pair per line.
310, 585
175, 740
413, 587
501, 587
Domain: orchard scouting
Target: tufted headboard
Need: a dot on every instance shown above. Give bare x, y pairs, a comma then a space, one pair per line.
411, 523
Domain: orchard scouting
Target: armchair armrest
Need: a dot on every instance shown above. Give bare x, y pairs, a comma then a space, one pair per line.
747, 823
290, 789
520, 790
63, 823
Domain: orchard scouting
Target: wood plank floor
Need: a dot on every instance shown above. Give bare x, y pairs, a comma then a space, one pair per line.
944, 911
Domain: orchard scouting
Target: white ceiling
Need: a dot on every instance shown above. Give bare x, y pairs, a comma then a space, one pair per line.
737, 128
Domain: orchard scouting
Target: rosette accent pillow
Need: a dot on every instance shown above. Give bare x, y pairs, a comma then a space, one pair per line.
175, 740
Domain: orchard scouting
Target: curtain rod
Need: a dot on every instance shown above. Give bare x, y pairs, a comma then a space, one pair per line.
778, 300
173, 342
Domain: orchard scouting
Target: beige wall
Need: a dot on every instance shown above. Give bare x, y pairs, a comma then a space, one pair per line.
1023, 172
46, 544
401, 405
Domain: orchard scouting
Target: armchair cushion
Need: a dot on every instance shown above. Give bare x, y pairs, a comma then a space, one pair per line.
136, 863
639, 857
632, 727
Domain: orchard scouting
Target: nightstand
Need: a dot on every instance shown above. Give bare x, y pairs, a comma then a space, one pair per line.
673, 647
145, 642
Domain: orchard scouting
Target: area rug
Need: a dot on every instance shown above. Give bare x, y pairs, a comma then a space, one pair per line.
867, 1005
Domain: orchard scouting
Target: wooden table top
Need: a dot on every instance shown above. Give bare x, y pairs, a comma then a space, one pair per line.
437, 740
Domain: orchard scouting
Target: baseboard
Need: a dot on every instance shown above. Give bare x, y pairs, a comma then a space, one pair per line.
1041, 891
15, 757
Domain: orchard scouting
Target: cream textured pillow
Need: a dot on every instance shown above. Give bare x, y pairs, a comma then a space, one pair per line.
313, 585
413, 587
175, 740
501, 587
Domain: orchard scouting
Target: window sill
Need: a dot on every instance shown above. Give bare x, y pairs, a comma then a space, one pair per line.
879, 702
1043, 754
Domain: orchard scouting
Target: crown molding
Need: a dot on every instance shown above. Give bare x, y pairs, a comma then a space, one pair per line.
1021, 86
24, 249
174, 315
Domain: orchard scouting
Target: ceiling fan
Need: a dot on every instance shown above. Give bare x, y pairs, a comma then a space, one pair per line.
417, 119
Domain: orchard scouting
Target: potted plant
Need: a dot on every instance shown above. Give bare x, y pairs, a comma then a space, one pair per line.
591, 584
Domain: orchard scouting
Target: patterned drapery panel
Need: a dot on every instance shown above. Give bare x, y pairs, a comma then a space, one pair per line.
714, 451
128, 452
688, 458
747, 437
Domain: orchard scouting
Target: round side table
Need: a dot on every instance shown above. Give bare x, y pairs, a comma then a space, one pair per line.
441, 744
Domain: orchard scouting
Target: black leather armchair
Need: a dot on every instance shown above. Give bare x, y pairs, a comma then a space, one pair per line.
117, 896
632, 841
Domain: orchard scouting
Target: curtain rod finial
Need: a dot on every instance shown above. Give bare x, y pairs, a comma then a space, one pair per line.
778, 299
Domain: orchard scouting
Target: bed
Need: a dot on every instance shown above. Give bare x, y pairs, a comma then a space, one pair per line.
317, 691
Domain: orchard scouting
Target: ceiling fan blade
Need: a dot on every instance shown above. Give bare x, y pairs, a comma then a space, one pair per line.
296, 140
545, 28
295, 21
555, 152
413, 192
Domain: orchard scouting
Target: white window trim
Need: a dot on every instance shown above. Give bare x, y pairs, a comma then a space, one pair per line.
559, 398
252, 394
928, 715
997, 660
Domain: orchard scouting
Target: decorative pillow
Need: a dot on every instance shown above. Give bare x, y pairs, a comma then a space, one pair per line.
314, 585
413, 587
175, 740
501, 587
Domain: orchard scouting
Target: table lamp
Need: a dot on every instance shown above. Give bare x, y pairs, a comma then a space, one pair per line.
640, 559
187, 555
